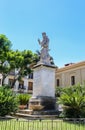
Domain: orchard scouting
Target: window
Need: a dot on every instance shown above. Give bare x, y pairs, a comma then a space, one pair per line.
11, 82
58, 82
21, 85
31, 76
30, 85
72, 80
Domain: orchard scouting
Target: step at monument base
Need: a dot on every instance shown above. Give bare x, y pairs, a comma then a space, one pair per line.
31, 112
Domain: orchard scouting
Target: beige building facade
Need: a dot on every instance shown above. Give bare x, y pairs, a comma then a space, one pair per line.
71, 74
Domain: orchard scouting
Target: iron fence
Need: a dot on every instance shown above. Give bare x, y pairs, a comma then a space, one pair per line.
42, 124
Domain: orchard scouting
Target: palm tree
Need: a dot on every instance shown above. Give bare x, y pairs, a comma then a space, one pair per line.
73, 100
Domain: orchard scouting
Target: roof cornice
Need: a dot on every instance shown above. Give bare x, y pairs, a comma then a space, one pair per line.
72, 66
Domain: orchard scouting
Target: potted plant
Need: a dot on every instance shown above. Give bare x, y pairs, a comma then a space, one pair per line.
23, 100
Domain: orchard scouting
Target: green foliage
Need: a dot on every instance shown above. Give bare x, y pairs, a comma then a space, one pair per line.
5, 43
58, 91
5, 46
23, 99
20, 60
73, 100
8, 101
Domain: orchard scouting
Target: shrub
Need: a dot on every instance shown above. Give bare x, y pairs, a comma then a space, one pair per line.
8, 101
73, 100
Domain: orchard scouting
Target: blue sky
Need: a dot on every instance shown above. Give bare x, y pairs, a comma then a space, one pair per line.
23, 22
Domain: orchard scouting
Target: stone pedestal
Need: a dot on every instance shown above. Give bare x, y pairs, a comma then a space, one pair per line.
42, 103
43, 88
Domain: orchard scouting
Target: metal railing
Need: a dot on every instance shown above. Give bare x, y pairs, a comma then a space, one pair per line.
42, 124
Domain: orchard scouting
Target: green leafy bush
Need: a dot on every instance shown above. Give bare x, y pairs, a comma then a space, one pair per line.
73, 100
8, 101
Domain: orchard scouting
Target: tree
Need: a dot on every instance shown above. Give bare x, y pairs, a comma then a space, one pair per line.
11, 60
73, 100
5, 47
8, 101
22, 62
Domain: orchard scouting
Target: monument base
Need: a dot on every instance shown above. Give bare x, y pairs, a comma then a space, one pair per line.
42, 103
44, 112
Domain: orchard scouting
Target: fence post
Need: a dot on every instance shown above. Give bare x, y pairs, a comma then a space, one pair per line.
52, 124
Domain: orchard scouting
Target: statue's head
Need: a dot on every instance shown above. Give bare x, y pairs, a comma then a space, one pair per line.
44, 34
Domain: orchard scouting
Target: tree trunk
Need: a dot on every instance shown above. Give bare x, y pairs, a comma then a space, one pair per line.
4, 76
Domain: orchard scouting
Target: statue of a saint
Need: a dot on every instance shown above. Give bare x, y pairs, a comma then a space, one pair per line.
45, 42
44, 57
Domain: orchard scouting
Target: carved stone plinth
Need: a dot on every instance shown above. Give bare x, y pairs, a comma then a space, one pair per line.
43, 88
44, 80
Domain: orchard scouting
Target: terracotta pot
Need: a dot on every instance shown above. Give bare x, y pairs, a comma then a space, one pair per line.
22, 106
